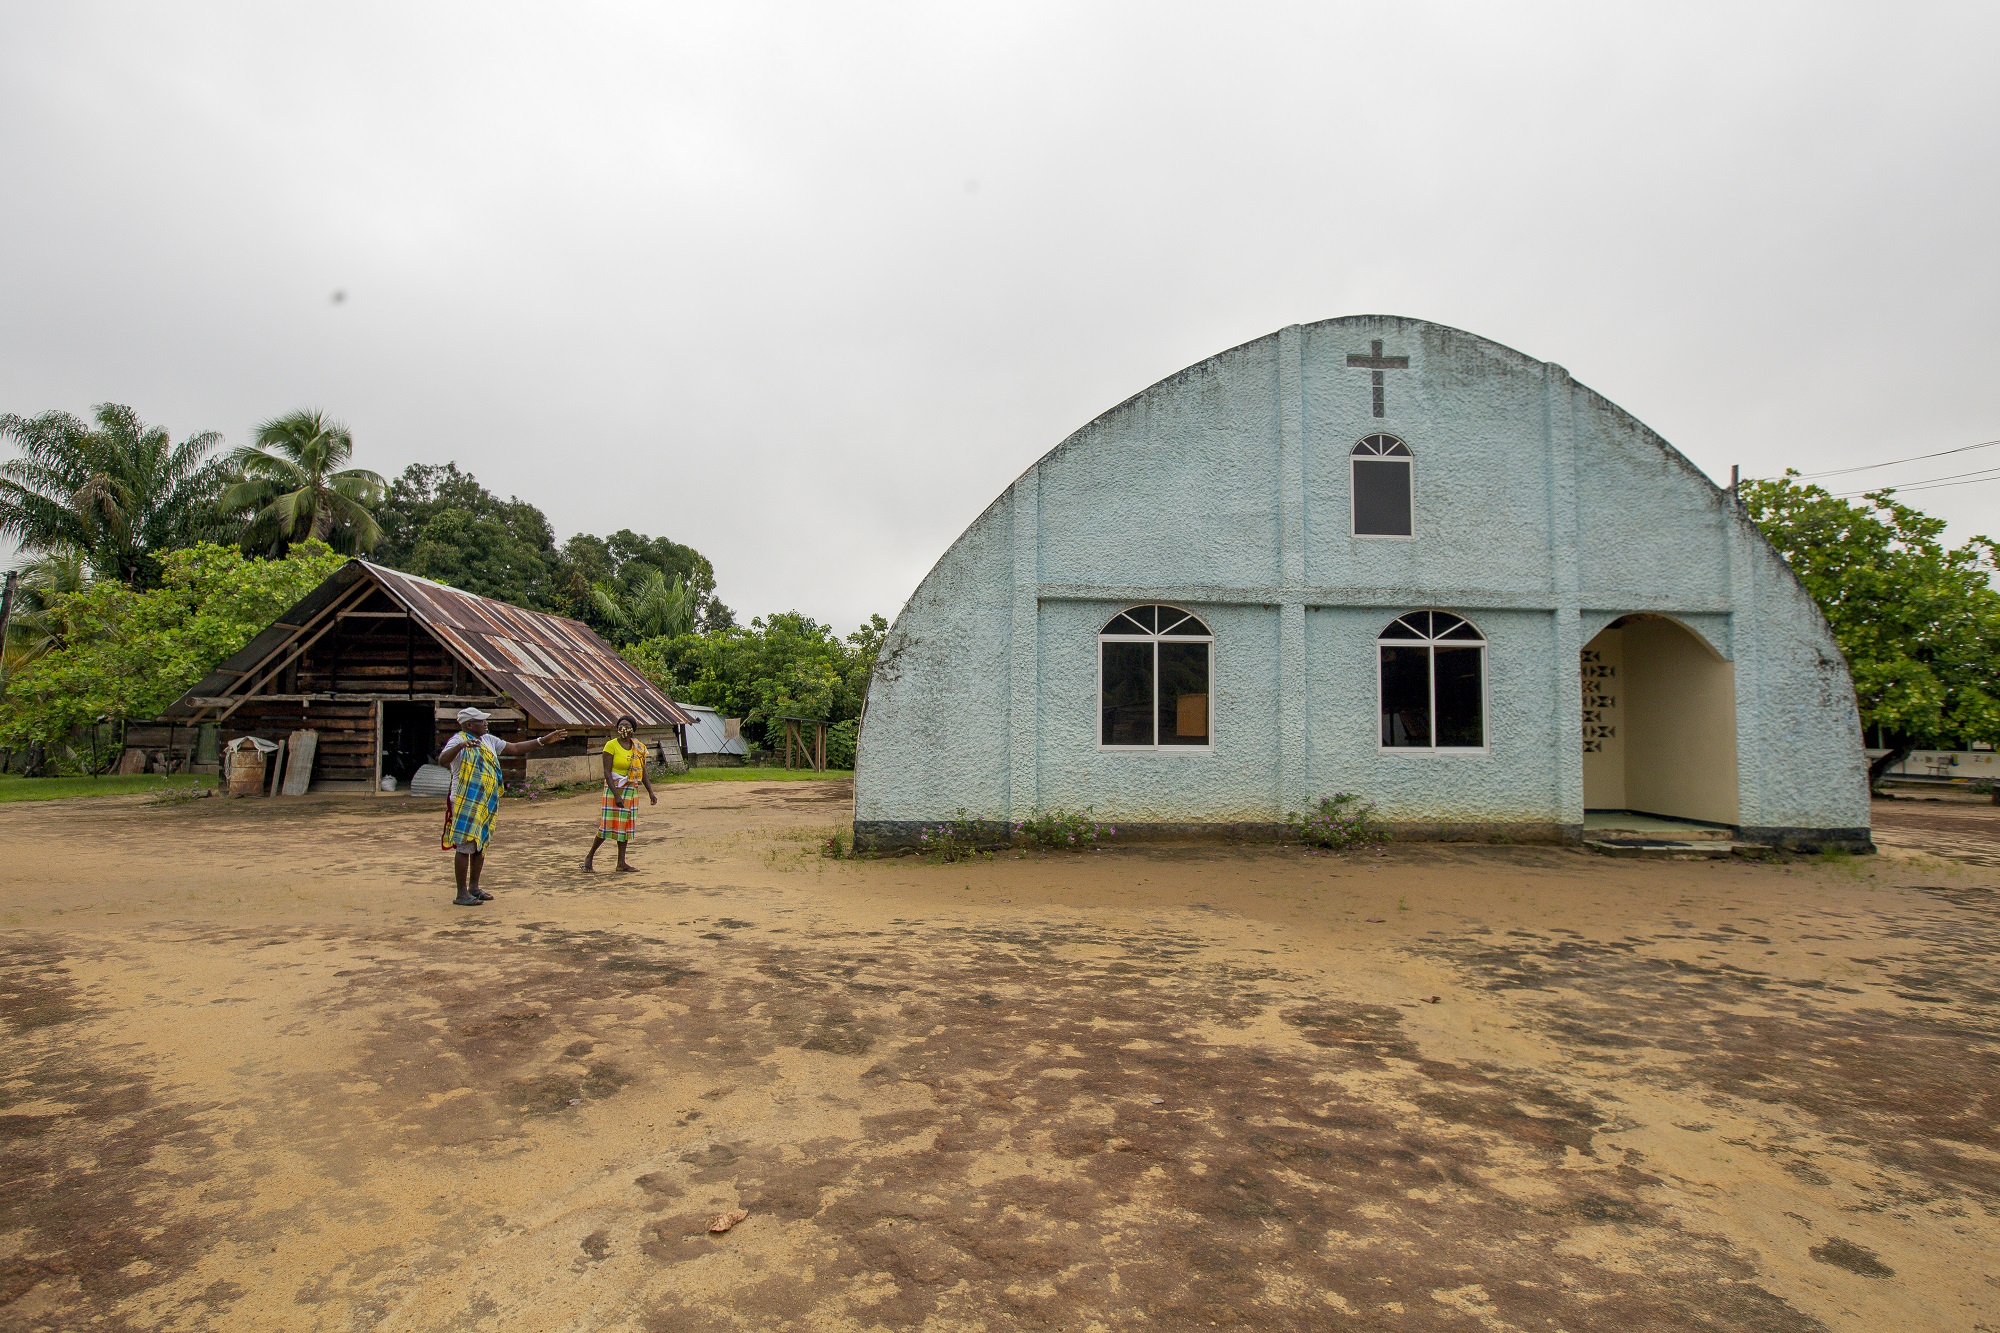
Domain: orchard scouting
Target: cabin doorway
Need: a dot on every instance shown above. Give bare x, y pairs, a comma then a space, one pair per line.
1659, 723
409, 736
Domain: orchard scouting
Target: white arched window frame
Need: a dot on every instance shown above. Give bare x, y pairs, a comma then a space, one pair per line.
1382, 489
1431, 684
1156, 681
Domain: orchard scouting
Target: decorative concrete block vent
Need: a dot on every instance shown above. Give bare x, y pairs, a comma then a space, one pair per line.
1371, 555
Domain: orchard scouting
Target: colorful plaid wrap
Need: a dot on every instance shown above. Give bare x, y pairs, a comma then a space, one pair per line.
478, 784
619, 814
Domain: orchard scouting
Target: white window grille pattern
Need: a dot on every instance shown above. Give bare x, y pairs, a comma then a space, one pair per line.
1432, 683
1154, 667
1384, 477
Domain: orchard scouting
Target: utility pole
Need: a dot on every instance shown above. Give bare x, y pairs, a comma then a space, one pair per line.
6, 610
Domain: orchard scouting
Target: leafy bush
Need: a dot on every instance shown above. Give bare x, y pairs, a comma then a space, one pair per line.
1341, 821
840, 739
957, 840
1061, 830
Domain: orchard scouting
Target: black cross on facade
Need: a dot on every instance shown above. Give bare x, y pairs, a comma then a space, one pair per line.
1376, 363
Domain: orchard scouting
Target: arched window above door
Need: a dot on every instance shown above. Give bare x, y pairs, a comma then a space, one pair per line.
1384, 485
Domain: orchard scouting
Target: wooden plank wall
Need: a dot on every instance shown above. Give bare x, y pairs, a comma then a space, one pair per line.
346, 735
369, 654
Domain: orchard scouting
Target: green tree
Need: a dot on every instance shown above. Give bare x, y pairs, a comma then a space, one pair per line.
1918, 621
32, 627
648, 608
294, 487
120, 492
782, 665
126, 653
628, 559
440, 523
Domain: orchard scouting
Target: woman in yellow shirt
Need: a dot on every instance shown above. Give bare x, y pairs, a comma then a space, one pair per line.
624, 774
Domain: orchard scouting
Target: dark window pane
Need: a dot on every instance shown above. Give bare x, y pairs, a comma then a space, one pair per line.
1144, 615
1123, 625
1406, 696
1401, 628
1189, 626
1461, 698
1127, 702
1184, 694
1381, 497
1459, 629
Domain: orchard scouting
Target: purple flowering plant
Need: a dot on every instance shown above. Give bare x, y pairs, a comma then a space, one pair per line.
1061, 831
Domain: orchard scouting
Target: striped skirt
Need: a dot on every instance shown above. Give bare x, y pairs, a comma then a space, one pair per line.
619, 814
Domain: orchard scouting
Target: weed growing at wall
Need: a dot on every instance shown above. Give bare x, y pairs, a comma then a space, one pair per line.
1062, 831
1341, 821
954, 841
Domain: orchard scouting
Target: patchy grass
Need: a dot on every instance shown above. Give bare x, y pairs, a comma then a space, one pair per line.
15, 788
756, 775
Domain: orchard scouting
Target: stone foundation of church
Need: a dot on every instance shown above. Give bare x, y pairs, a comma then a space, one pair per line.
1810, 839
889, 835
885, 835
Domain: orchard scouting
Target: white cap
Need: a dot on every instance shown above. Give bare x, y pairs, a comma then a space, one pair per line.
473, 715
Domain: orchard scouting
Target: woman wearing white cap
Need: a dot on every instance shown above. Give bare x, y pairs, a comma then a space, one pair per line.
475, 796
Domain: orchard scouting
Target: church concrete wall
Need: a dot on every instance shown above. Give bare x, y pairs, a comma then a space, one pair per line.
1542, 514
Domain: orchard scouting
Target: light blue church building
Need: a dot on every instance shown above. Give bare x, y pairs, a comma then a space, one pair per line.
1370, 555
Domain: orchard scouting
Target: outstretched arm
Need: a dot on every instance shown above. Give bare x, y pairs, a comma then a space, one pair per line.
517, 747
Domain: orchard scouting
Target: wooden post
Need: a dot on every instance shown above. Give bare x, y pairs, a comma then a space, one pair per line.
819, 747
6, 606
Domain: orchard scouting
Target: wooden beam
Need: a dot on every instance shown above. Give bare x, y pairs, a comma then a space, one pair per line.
360, 585
218, 701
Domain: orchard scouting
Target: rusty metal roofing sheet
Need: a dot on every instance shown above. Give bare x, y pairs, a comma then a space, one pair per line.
556, 671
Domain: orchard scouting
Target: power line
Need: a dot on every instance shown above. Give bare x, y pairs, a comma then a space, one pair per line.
1934, 484
1914, 458
1926, 481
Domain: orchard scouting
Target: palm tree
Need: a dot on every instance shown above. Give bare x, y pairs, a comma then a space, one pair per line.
652, 607
120, 492
293, 486
32, 627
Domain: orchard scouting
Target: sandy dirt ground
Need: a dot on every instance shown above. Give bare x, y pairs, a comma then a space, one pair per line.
259, 1075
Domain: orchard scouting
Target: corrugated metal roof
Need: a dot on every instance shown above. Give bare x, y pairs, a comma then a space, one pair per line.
707, 735
555, 670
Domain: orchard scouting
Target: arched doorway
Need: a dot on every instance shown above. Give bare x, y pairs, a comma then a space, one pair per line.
1659, 723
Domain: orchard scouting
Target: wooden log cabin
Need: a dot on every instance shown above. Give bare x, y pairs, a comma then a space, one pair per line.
378, 662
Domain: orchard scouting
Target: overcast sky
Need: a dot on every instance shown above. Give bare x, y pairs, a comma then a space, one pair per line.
805, 286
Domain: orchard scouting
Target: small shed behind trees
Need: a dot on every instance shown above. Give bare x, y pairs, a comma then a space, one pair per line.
379, 662
712, 738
